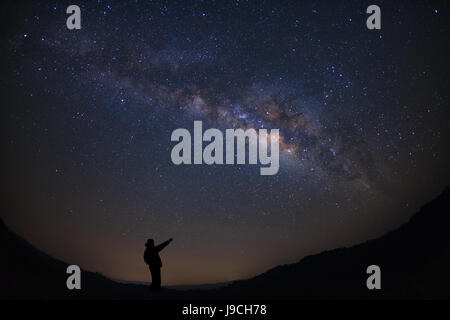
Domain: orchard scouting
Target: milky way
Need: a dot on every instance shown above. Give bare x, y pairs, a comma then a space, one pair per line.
363, 119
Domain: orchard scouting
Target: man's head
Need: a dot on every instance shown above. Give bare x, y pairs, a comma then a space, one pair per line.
150, 243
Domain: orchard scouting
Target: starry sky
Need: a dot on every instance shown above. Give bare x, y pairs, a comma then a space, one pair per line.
87, 117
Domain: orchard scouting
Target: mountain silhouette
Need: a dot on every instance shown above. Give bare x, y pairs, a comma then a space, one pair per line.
414, 261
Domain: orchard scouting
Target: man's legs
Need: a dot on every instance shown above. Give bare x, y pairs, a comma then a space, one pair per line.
156, 278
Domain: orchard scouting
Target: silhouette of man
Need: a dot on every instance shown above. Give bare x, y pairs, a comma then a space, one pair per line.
151, 257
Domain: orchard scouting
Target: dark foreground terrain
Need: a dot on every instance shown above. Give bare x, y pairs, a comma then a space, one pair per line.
414, 262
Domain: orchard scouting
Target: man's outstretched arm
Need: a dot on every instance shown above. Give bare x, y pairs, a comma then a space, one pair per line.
161, 246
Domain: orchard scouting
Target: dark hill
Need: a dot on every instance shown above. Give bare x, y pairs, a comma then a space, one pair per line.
414, 262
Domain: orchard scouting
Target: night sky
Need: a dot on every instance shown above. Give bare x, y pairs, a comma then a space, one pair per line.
87, 117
